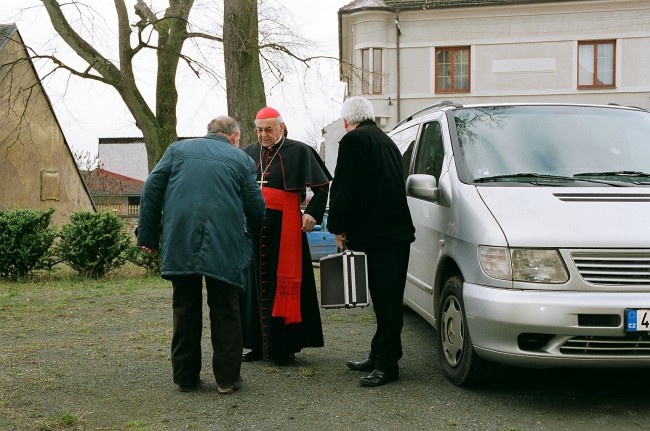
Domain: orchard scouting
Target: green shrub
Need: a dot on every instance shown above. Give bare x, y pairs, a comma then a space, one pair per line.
93, 243
25, 241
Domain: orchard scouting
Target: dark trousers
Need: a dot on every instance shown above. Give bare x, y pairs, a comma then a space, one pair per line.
225, 329
387, 267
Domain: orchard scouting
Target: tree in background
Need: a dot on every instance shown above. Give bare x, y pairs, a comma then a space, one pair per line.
258, 44
164, 32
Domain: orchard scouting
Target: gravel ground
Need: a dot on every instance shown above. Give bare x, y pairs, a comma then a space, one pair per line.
89, 355
97, 357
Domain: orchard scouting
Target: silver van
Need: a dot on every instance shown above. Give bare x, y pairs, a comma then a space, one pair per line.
532, 234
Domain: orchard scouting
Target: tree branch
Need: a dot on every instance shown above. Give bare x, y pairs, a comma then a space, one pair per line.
204, 36
86, 51
61, 65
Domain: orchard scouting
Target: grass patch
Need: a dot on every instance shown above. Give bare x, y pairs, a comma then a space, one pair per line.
66, 421
136, 426
62, 294
307, 372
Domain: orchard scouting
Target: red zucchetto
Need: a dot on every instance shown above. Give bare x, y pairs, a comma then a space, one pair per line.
267, 112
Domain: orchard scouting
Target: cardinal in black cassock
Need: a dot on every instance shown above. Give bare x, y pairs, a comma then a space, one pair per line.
280, 311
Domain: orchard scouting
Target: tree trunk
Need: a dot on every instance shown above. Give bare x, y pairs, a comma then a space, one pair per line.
172, 33
244, 83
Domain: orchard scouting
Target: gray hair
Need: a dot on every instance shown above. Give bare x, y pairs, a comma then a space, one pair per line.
278, 120
223, 124
357, 109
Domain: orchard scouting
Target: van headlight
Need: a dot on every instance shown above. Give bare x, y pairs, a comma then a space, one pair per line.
523, 264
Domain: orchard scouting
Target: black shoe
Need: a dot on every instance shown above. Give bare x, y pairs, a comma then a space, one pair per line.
367, 365
253, 355
378, 378
285, 360
189, 388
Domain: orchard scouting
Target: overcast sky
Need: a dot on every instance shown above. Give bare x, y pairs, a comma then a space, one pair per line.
89, 110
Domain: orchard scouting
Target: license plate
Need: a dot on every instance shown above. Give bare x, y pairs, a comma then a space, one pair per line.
637, 320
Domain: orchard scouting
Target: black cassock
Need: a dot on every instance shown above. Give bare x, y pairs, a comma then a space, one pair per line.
290, 166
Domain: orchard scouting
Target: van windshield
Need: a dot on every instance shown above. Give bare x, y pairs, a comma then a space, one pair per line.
602, 145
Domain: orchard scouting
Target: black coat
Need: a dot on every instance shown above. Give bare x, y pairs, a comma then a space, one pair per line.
367, 194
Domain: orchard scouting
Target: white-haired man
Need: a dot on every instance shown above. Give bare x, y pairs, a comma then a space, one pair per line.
368, 211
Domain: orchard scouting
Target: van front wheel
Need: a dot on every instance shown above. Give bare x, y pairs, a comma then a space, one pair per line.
460, 364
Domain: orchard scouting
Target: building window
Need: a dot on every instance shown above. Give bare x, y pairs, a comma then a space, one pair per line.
371, 71
596, 61
133, 200
452, 70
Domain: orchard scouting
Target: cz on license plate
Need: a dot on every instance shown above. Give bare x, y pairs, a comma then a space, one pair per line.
637, 320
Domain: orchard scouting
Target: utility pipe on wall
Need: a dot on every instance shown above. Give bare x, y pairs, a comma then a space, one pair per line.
398, 34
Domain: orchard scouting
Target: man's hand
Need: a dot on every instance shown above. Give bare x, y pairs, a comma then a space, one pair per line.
340, 241
308, 222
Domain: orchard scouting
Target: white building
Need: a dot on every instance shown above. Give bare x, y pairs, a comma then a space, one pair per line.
404, 55
124, 156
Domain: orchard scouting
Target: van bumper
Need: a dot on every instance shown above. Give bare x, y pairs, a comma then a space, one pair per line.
501, 320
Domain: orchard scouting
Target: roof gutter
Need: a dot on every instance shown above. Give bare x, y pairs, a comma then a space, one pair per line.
340, 46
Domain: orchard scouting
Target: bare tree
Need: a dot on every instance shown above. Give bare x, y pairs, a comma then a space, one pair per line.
314, 133
165, 34
249, 58
98, 182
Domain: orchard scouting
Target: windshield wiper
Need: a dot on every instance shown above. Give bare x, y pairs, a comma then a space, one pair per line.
625, 176
614, 174
535, 176
522, 175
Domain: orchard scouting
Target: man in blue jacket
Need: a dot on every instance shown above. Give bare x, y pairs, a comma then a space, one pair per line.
202, 197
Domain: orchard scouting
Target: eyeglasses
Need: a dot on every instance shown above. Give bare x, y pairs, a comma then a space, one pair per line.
266, 129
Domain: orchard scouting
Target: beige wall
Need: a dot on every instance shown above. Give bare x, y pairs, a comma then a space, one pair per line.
37, 169
636, 55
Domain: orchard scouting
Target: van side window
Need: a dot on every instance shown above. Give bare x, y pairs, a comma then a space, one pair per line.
405, 140
430, 151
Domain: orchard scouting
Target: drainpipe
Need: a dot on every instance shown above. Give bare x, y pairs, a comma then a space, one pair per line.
398, 34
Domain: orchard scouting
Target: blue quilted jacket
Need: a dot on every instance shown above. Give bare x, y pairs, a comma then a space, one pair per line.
198, 199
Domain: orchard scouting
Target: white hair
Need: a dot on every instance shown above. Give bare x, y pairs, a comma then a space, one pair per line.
357, 109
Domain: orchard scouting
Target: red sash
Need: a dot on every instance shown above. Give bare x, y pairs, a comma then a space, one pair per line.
289, 277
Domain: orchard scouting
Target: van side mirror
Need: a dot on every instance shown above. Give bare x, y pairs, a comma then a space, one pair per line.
422, 186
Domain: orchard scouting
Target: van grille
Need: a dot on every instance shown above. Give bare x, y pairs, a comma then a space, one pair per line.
599, 320
614, 268
614, 346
